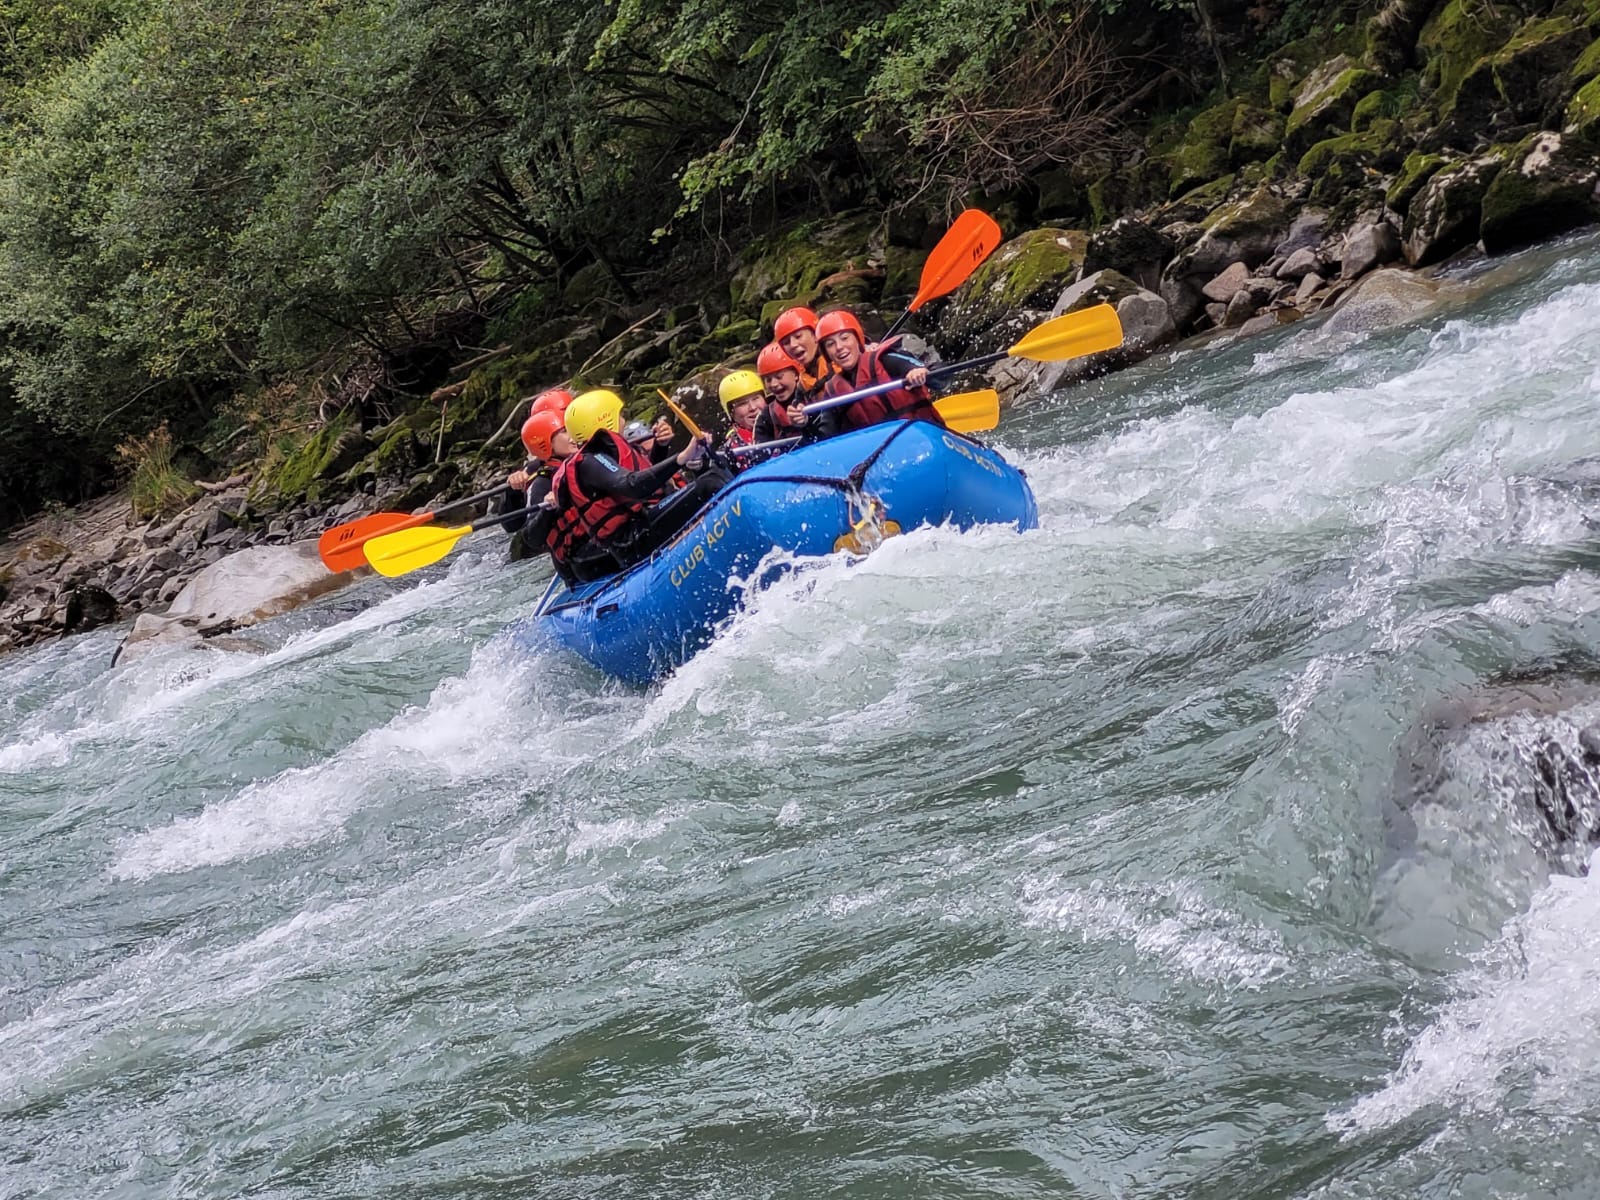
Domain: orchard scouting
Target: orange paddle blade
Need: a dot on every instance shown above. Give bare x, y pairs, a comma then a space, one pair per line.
971, 238
341, 547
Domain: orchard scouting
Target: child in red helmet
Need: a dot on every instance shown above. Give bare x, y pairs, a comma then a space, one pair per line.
783, 415
858, 365
545, 437
795, 331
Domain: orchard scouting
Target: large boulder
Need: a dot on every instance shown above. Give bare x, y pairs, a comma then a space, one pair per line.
1369, 245
1383, 299
1459, 35
239, 590
1339, 165
1547, 186
1326, 101
792, 263
1131, 247
1203, 153
1147, 325
1026, 272
1248, 230
1444, 216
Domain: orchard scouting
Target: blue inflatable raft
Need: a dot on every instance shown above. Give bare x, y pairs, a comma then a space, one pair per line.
651, 618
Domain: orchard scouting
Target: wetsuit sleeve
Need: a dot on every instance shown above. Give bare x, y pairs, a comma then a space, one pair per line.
537, 519
899, 363
599, 476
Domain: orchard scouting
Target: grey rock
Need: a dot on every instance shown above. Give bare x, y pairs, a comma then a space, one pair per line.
1299, 264
1368, 246
1310, 285
1223, 287
1240, 309
1305, 232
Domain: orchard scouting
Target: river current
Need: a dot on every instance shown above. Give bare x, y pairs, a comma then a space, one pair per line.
1070, 863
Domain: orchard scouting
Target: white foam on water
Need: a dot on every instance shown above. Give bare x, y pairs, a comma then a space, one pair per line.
1522, 1031
1172, 923
467, 732
45, 750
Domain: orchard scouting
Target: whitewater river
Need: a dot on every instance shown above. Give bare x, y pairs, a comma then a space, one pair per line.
1062, 864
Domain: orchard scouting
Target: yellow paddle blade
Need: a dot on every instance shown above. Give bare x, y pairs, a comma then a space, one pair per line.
688, 421
411, 549
970, 412
1071, 335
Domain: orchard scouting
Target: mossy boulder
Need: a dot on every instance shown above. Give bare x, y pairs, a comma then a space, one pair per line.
1583, 113
1288, 68
1546, 187
1372, 108
1530, 70
1587, 64
399, 453
329, 452
1255, 135
1339, 165
1417, 169
792, 263
1457, 37
1202, 154
902, 270
1326, 101
1444, 216
1027, 272
728, 340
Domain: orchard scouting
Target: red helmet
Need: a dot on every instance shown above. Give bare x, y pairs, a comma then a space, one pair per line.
774, 358
537, 432
551, 400
838, 321
792, 319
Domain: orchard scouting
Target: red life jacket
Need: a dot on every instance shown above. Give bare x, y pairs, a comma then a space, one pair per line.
581, 518
778, 414
900, 404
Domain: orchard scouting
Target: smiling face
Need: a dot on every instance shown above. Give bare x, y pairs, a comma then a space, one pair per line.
843, 349
744, 411
801, 345
782, 385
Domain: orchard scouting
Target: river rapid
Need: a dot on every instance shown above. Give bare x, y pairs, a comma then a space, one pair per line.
1061, 864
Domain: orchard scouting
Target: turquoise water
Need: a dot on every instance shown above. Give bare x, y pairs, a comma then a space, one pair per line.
1054, 864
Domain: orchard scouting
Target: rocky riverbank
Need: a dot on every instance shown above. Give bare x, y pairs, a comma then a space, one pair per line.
1341, 175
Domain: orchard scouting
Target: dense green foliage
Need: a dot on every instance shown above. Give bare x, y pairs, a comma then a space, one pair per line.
198, 196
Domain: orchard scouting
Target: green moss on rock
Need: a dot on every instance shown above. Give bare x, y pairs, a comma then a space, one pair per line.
792, 262
1027, 272
1547, 187
1202, 154
1337, 166
332, 450
1583, 112
1457, 37
1326, 103
1414, 173
1255, 135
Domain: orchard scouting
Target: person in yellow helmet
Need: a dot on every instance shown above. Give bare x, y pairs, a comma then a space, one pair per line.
607, 496
743, 395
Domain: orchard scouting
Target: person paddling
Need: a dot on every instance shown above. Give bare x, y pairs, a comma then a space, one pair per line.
545, 436
784, 414
605, 495
859, 367
796, 331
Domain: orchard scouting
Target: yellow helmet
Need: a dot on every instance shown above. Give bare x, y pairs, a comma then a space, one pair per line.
738, 385
593, 411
